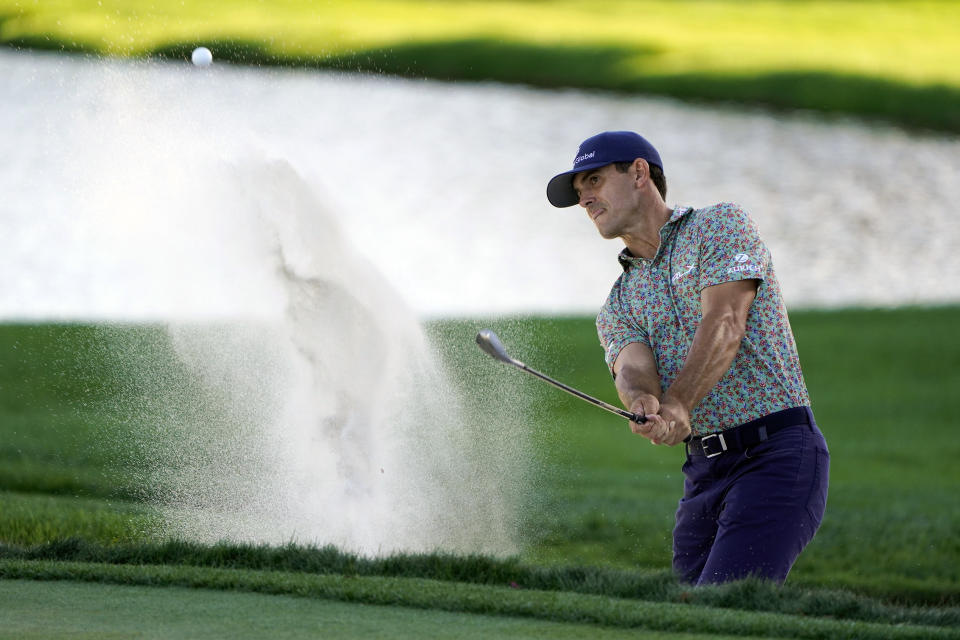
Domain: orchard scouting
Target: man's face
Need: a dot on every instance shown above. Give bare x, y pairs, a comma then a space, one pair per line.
609, 198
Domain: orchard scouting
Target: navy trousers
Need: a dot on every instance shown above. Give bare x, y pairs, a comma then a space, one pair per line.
751, 513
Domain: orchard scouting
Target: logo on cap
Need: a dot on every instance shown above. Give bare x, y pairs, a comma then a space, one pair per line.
585, 156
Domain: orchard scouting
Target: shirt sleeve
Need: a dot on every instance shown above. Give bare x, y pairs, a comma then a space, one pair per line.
731, 248
617, 327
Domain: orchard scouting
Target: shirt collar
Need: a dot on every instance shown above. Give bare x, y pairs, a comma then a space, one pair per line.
627, 259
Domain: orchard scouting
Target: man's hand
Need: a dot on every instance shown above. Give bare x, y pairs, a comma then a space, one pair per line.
644, 404
670, 426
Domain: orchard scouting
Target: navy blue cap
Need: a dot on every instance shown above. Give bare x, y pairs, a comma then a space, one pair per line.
600, 150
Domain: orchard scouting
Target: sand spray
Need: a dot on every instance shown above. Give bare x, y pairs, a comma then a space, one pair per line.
293, 397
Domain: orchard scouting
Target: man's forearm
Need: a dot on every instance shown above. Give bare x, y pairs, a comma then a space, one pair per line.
637, 379
715, 344
633, 382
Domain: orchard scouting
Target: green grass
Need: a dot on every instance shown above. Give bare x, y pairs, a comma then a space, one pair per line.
501, 601
31, 517
646, 585
890, 523
103, 611
597, 519
891, 59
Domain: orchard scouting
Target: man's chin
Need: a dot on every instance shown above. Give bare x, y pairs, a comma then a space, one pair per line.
607, 234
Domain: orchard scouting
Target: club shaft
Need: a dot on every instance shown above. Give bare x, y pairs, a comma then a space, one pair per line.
600, 403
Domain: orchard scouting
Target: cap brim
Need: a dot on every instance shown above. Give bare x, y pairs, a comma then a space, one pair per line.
560, 191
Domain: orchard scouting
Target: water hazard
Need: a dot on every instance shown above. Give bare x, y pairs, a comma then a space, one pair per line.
439, 186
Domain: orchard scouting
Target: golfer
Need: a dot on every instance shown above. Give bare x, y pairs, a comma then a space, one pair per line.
697, 339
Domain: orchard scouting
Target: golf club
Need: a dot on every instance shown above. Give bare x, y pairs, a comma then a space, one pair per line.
491, 344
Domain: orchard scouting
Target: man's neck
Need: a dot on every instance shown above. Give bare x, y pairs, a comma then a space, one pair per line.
643, 239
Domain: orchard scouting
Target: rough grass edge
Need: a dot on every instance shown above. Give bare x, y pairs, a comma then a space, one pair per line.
457, 597
638, 585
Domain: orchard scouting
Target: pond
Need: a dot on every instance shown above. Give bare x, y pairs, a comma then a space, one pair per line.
132, 190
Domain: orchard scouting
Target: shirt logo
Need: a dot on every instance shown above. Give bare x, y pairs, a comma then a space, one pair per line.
742, 259
755, 268
677, 276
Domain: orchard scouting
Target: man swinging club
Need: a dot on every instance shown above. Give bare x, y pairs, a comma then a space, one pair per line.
697, 339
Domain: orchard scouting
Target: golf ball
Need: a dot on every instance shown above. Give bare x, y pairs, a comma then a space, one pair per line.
201, 57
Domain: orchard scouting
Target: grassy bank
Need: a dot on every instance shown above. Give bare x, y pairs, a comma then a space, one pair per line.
646, 585
494, 601
890, 60
102, 611
597, 519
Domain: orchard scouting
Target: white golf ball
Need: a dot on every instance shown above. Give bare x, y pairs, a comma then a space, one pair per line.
201, 57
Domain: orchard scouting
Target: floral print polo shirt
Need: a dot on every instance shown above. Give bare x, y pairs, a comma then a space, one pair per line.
700, 248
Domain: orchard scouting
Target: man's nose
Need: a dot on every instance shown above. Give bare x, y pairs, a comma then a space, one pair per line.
585, 199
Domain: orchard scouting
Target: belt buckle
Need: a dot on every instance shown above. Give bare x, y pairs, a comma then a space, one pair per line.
718, 436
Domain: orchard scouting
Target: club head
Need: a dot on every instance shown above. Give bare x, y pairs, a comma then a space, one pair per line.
491, 344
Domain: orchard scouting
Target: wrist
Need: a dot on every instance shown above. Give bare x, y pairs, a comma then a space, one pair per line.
678, 398
646, 395
644, 403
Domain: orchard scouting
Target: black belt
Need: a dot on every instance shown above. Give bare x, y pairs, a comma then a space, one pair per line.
749, 433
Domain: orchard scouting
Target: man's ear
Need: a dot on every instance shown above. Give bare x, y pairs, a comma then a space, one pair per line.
641, 169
